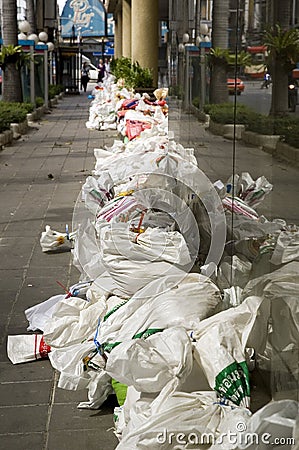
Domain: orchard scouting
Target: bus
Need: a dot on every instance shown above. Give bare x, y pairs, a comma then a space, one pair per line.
257, 68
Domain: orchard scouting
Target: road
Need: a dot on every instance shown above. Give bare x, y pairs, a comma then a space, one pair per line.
256, 98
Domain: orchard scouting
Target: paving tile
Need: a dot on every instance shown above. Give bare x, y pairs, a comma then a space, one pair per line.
40, 370
25, 393
103, 438
63, 396
19, 441
69, 417
23, 419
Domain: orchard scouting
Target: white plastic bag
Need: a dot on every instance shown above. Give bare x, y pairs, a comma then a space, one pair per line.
179, 420
38, 315
27, 347
220, 350
167, 302
286, 248
275, 422
148, 365
73, 321
52, 240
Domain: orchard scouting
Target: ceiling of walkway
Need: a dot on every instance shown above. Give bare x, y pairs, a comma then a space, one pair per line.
112, 5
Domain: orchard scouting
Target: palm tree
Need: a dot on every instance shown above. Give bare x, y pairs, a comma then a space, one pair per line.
218, 86
11, 89
283, 46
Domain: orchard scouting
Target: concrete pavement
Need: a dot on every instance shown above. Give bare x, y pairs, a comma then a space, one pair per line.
41, 176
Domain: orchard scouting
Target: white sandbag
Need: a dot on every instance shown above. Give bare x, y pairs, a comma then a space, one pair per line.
274, 423
99, 388
233, 271
95, 194
76, 374
86, 255
279, 354
73, 321
251, 191
80, 289
167, 302
133, 265
38, 314
244, 227
179, 420
69, 362
220, 349
148, 365
287, 273
286, 248
27, 347
52, 240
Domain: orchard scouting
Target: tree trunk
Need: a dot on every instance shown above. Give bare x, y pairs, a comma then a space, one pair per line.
218, 85
280, 77
279, 98
31, 15
11, 85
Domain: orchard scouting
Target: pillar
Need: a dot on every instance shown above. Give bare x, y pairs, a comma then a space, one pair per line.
118, 36
145, 34
126, 28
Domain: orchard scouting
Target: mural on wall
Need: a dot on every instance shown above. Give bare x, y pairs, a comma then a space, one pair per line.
86, 18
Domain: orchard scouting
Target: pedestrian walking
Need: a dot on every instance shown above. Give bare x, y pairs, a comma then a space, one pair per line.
267, 81
107, 65
101, 72
84, 76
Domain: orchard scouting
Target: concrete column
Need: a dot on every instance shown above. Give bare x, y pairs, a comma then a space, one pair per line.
118, 49
145, 34
126, 28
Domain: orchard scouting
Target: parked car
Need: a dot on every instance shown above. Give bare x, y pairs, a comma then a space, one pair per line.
231, 85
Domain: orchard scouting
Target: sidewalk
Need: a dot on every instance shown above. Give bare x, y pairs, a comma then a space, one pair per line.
41, 177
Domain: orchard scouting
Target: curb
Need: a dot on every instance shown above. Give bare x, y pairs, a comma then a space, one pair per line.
268, 143
287, 153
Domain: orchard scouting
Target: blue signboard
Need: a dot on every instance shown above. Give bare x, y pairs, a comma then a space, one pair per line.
110, 25
85, 18
108, 50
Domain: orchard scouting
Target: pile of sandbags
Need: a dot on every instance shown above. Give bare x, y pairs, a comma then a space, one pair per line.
184, 289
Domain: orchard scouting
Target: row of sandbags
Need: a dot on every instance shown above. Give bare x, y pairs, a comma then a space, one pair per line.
176, 303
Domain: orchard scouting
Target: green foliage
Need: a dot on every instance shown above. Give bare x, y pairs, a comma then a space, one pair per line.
283, 45
55, 89
39, 101
142, 77
13, 54
243, 59
223, 56
13, 113
218, 56
176, 91
133, 75
195, 102
287, 127
224, 113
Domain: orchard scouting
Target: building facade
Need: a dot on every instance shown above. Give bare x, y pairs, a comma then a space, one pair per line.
140, 31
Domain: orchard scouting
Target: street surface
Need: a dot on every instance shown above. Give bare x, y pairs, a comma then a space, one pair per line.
256, 98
